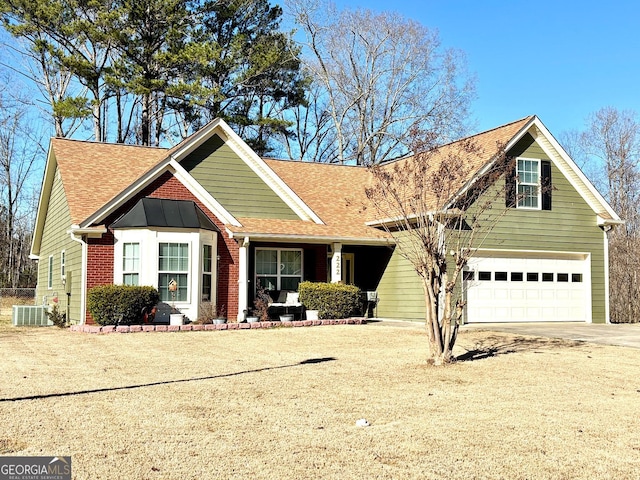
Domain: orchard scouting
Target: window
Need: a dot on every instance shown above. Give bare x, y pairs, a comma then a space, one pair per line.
563, 277
516, 276
500, 276
576, 277
173, 264
468, 275
50, 273
279, 269
484, 275
528, 172
547, 277
206, 272
63, 261
532, 277
130, 263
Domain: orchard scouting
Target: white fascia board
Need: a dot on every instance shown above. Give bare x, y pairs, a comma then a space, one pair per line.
447, 213
259, 166
275, 237
203, 195
197, 139
489, 165
571, 171
43, 201
182, 175
95, 232
602, 222
129, 192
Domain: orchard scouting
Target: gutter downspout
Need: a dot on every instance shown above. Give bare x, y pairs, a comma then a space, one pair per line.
607, 316
83, 276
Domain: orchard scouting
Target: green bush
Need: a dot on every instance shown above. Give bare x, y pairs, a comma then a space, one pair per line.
120, 304
332, 300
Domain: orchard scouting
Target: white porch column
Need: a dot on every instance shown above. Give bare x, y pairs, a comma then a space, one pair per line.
243, 278
336, 263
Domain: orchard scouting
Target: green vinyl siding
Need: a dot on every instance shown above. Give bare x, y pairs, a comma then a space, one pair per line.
55, 239
400, 291
233, 183
570, 226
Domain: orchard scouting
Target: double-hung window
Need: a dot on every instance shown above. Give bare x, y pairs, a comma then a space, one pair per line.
207, 263
279, 269
173, 264
130, 263
528, 174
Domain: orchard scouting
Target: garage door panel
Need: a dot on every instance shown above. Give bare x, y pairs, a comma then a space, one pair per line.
542, 289
517, 294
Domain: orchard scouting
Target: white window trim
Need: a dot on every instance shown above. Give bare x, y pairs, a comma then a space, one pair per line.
149, 241
130, 272
278, 275
538, 185
50, 273
189, 272
209, 272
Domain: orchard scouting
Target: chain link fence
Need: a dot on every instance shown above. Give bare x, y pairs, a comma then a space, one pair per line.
16, 296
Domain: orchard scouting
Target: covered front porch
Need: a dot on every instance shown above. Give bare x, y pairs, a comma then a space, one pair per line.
279, 267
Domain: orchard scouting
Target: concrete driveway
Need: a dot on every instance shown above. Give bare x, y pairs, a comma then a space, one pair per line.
626, 335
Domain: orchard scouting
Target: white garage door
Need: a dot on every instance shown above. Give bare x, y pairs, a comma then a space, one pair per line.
527, 289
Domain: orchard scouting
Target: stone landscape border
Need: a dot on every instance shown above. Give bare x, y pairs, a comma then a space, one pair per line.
212, 327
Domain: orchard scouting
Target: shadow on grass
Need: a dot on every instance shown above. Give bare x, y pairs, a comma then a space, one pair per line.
308, 361
494, 346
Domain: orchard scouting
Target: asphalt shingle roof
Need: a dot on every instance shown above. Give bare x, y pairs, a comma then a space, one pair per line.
93, 174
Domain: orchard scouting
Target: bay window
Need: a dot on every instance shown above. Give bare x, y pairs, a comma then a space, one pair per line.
207, 263
173, 264
131, 264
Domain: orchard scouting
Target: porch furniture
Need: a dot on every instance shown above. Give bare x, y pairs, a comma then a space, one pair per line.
287, 302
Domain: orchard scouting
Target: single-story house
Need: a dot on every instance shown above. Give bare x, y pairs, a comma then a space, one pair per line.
212, 215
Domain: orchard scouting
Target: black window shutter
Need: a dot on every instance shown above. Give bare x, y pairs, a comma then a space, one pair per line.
510, 187
545, 183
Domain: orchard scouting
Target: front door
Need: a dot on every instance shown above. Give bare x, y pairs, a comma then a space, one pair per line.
348, 261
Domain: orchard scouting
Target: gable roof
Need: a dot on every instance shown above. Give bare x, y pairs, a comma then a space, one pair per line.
93, 173
329, 199
477, 153
336, 193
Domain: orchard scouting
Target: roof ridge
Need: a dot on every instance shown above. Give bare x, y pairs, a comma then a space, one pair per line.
462, 139
308, 162
108, 144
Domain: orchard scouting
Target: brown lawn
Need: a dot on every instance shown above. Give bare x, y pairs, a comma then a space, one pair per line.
283, 404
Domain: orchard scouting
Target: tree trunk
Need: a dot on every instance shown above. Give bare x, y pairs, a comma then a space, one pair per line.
144, 122
439, 353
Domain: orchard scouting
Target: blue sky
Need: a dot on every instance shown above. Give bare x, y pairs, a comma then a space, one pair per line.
560, 60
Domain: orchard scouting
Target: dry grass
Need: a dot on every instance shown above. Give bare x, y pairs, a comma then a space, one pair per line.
283, 404
6, 304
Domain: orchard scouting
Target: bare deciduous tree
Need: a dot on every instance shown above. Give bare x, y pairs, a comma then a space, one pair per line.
19, 154
438, 217
610, 150
381, 76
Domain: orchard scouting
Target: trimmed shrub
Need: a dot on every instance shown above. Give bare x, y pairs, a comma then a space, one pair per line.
120, 304
332, 300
